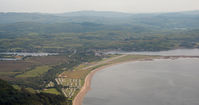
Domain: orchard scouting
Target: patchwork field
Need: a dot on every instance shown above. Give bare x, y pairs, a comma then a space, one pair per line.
29, 67
47, 60
14, 66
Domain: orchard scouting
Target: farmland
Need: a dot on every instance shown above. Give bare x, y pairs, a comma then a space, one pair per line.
20, 71
14, 66
47, 60
40, 74
34, 72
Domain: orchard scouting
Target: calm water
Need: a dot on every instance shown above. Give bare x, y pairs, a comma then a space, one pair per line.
9, 59
158, 82
28, 54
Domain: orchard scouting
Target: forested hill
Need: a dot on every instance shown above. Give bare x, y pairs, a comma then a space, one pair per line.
98, 30
172, 20
11, 96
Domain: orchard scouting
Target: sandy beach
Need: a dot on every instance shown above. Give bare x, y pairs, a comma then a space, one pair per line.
86, 87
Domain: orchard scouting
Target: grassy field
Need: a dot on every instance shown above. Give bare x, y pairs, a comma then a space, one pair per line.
8, 73
52, 91
34, 72
16, 87
31, 90
78, 74
133, 58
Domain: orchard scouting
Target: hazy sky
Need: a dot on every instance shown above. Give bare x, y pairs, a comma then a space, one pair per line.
133, 6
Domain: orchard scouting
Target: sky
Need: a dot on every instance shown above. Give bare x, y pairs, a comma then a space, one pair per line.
129, 6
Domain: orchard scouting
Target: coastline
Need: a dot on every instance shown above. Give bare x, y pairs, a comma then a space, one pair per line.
86, 87
78, 100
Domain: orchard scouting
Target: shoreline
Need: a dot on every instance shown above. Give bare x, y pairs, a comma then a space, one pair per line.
86, 87
78, 100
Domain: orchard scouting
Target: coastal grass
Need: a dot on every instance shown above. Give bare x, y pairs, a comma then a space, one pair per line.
80, 67
81, 71
101, 65
34, 72
133, 57
78, 74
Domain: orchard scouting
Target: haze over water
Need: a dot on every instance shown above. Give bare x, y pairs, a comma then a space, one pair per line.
158, 82
177, 52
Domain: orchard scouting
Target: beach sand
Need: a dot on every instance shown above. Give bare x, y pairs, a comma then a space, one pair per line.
86, 87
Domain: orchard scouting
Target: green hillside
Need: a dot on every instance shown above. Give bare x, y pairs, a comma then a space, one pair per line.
11, 96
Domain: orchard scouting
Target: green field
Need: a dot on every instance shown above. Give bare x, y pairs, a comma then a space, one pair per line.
8, 73
52, 91
34, 72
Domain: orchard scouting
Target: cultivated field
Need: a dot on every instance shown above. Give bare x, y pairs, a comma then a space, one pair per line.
47, 60
14, 66
29, 67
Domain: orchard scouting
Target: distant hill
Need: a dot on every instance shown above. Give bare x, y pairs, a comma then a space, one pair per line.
95, 14
12, 17
98, 30
189, 19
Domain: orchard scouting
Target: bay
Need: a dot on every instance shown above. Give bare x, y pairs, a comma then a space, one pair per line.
157, 82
